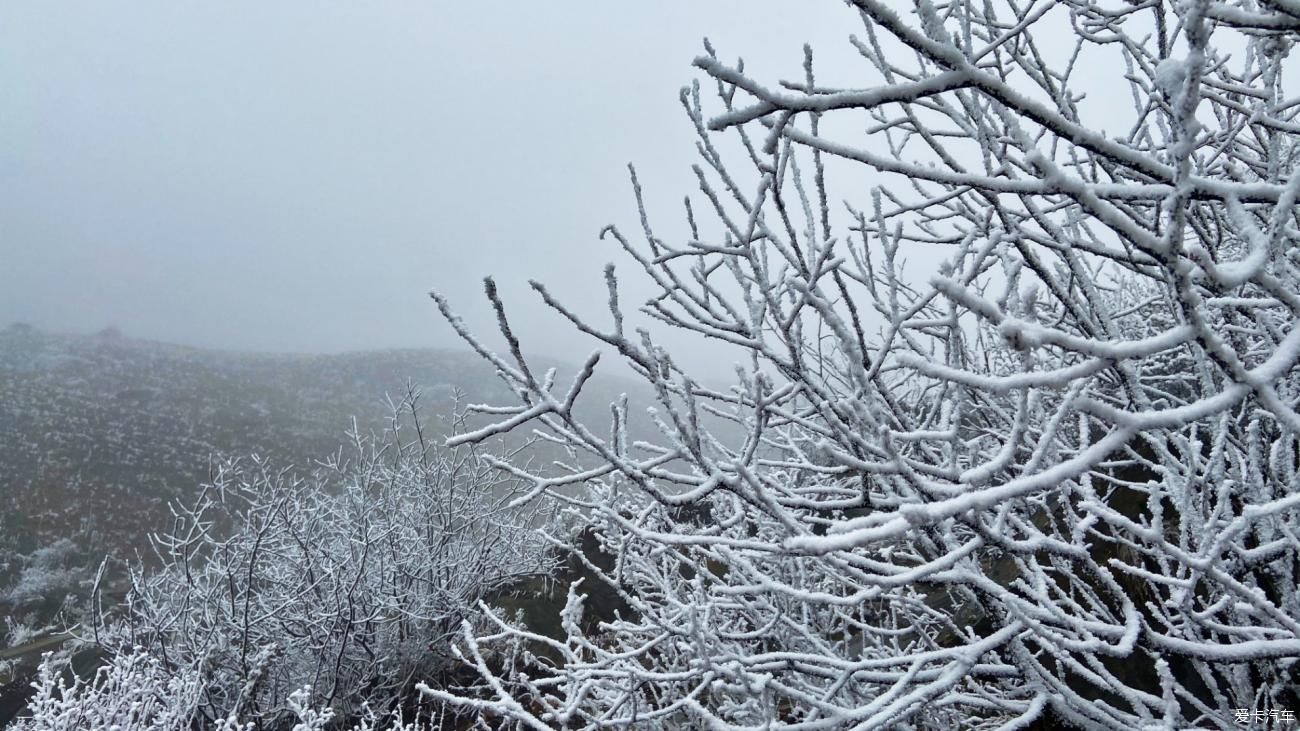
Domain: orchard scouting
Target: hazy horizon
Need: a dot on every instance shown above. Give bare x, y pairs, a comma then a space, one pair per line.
295, 177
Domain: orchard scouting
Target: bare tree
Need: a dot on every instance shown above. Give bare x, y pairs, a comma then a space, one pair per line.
1055, 483
349, 581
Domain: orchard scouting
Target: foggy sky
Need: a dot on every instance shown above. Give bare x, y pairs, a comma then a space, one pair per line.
295, 176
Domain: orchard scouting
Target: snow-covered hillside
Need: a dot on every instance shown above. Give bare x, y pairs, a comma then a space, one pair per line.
99, 432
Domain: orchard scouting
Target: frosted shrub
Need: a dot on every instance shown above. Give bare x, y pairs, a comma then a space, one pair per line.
135, 692
351, 580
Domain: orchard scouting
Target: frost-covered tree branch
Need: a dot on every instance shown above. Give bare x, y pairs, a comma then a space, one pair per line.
1053, 479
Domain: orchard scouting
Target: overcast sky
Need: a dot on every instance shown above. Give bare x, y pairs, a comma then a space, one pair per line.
297, 175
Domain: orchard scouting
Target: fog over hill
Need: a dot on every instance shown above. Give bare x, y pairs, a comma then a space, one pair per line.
98, 432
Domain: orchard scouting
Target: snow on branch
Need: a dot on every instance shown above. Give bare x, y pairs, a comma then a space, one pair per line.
1046, 482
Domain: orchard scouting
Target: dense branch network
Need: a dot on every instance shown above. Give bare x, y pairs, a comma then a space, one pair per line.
335, 589
1055, 478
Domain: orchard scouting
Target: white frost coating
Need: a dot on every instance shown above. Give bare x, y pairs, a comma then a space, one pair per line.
1170, 75
1062, 470
137, 692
